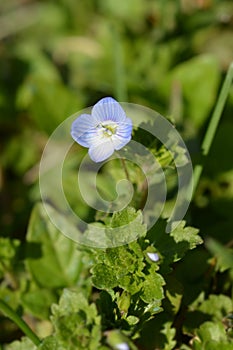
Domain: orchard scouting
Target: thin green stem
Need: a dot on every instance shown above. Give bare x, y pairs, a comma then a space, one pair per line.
125, 168
212, 127
119, 68
9, 312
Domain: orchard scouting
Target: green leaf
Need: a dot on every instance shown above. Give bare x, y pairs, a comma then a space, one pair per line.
9, 296
38, 302
170, 333
40, 101
128, 226
215, 308
21, 154
129, 268
9, 250
50, 343
123, 303
103, 277
116, 267
218, 306
24, 344
76, 323
123, 227
126, 216
212, 336
212, 345
200, 97
52, 259
152, 290
185, 347
133, 7
187, 235
173, 246
174, 294
46, 114
223, 254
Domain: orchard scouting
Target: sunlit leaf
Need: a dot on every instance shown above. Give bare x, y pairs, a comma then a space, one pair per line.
52, 259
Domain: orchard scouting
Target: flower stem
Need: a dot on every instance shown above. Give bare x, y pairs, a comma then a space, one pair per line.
9, 312
212, 127
125, 168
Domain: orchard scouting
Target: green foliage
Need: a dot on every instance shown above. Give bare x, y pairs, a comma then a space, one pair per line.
215, 309
169, 332
126, 225
173, 247
128, 275
57, 57
223, 255
9, 253
36, 97
24, 344
212, 336
198, 98
52, 259
38, 301
76, 323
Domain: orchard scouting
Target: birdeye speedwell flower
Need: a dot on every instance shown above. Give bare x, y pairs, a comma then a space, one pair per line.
106, 129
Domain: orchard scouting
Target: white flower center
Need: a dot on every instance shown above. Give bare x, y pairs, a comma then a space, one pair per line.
107, 128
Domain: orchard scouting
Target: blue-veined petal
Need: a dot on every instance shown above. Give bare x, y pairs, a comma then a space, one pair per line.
101, 150
83, 128
108, 109
124, 129
89, 138
106, 129
119, 142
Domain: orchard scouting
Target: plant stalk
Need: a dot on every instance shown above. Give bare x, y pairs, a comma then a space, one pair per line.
125, 168
213, 125
10, 313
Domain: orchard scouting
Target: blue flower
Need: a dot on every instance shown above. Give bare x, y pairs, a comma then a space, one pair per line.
153, 256
106, 129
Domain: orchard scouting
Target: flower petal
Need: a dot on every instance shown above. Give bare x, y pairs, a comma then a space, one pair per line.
108, 109
101, 151
83, 128
124, 129
122, 346
123, 134
119, 142
153, 256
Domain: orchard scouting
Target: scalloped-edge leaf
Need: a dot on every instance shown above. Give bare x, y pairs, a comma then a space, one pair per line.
76, 322
103, 277
152, 288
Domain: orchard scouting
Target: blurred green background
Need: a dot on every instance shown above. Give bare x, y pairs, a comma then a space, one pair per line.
60, 56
